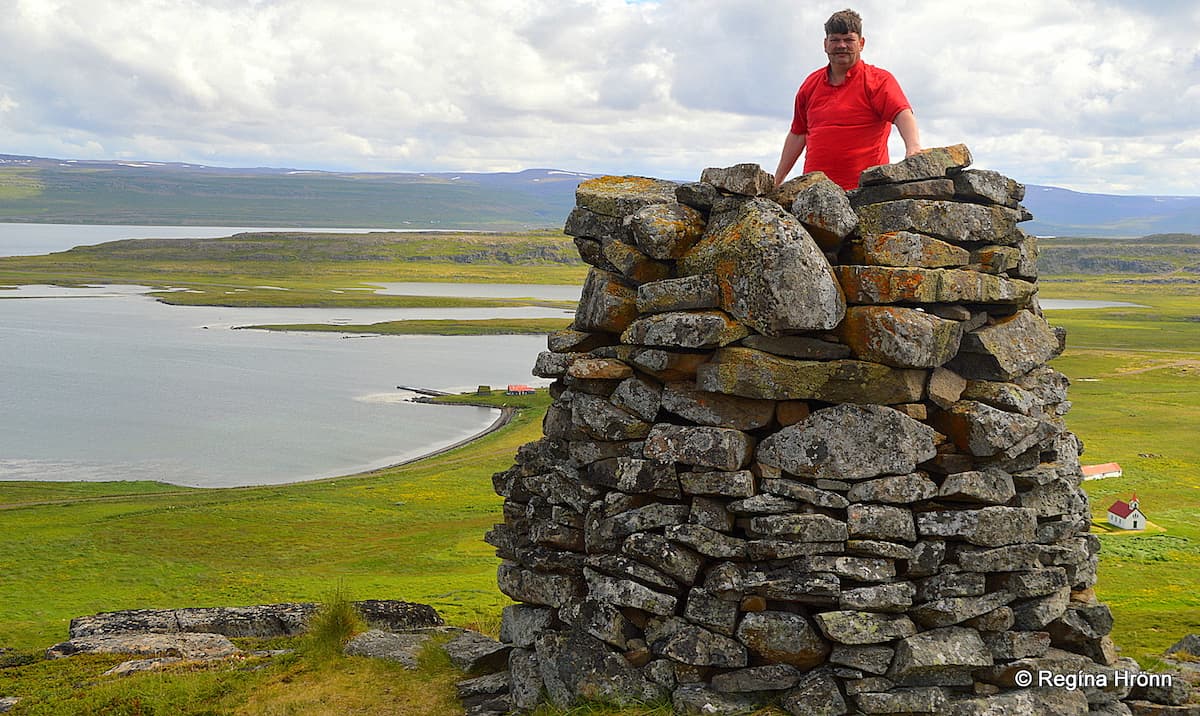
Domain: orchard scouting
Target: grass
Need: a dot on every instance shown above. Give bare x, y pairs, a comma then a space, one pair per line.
332, 626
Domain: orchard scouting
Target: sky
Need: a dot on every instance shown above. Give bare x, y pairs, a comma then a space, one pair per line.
1098, 96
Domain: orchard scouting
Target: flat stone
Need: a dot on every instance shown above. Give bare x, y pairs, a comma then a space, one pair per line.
526, 585
737, 483
930, 163
616, 565
800, 527
787, 585
987, 527
471, 651
798, 347
404, 649
882, 522
955, 610
183, 645
668, 364
680, 563
823, 208
982, 430
626, 593
569, 340
577, 667
872, 659
638, 396
860, 569
697, 700
773, 276
771, 677
885, 285
986, 186
520, 624
602, 420
763, 505
1048, 701
708, 542
928, 699
716, 409
685, 329
855, 627
679, 294
937, 653
620, 196
1055, 498
951, 584
900, 337
879, 548
895, 489
635, 266
585, 223
783, 637
996, 259
923, 189
708, 610
633, 475
698, 195
945, 387
697, 646
850, 442
606, 304
951, 221
666, 231
978, 486
746, 179
722, 448
755, 374
1007, 349
647, 517
817, 694
795, 490
1009, 645
908, 249
599, 369
710, 512
1005, 396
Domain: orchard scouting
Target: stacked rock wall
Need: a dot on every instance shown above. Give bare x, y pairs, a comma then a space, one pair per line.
804, 449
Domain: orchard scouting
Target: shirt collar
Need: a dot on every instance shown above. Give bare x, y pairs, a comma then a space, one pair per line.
850, 73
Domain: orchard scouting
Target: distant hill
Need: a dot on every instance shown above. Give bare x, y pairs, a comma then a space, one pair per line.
34, 189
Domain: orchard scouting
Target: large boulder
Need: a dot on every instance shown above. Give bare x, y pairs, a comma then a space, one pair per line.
773, 277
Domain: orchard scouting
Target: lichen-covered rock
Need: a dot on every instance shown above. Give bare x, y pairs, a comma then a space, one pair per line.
736, 483
632, 475
745, 179
680, 563
627, 593
822, 206
923, 700
939, 653
722, 448
666, 231
983, 430
923, 189
928, 164
771, 677
679, 294
755, 374
668, 364
900, 337
520, 624
773, 276
577, 667
947, 220
986, 186
606, 304
599, 369
816, 694
803, 347
634, 265
800, 527
188, 645
895, 489
850, 442
638, 396
717, 409
908, 249
621, 196
404, 649
605, 421
1007, 349
980, 486
471, 651
884, 284
783, 637
694, 645
854, 627
685, 329
697, 700
987, 527
881, 522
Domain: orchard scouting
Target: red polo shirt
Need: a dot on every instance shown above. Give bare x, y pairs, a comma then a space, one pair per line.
848, 125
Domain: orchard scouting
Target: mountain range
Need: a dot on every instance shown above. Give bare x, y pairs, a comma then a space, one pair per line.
37, 189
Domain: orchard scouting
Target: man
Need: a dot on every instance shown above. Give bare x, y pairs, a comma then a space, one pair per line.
845, 111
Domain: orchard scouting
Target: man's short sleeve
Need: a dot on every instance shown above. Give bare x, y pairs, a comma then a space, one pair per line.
887, 98
799, 114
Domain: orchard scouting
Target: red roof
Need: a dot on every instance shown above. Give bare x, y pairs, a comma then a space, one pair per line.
1120, 508
1089, 470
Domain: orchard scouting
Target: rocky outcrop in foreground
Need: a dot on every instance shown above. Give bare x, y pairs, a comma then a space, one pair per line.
805, 449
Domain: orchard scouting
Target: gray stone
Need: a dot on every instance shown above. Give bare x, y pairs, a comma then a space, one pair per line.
880, 522
947, 220
722, 448
710, 512
596, 369
951, 584
696, 700
955, 610
577, 667
641, 519
801, 528
987, 527
377, 644
197, 646
857, 627
816, 694
638, 396
685, 329
635, 266
922, 189
706, 609
1009, 645
1055, 498
900, 337
616, 565
716, 409
604, 421
986, 486
606, 304
932, 163
945, 387
553, 365
939, 653
745, 179
927, 557
773, 276
1047, 701
757, 374
929, 699
1040, 582
895, 489
983, 430
909, 249
679, 563
1007, 349
679, 294
764, 505
1005, 396
525, 585
698, 195
798, 347
125, 668
988, 186
520, 624
872, 659
697, 646
879, 548
786, 585
569, 340
1038, 613
850, 442
823, 208
879, 598
770, 677
796, 490
666, 231
471, 651
1188, 645
629, 474
737, 483
726, 581
668, 365
525, 679
707, 541
782, 637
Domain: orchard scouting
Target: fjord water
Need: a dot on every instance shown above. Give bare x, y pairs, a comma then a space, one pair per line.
106, 384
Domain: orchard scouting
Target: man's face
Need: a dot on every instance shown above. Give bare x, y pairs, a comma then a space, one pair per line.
844, 49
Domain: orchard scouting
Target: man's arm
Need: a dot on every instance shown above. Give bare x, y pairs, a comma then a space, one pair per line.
906, 122
793, 147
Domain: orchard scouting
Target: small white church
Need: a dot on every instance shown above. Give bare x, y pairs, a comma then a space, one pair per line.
1126, 515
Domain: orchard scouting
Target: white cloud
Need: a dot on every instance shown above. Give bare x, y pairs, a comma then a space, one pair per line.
1088, 95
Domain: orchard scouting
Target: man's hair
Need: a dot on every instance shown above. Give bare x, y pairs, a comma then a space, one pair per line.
844, 22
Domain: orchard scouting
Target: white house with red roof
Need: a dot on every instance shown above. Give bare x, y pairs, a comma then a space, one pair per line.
1126, 515
1099, 472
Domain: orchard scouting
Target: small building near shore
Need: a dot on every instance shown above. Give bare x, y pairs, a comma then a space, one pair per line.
519, 390
1127, 515
1099, 472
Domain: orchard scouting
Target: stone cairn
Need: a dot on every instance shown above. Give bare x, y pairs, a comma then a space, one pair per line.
805, 450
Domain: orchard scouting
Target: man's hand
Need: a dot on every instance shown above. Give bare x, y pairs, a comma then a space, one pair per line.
913, 150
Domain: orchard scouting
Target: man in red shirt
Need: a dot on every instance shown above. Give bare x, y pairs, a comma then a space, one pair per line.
845, 111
